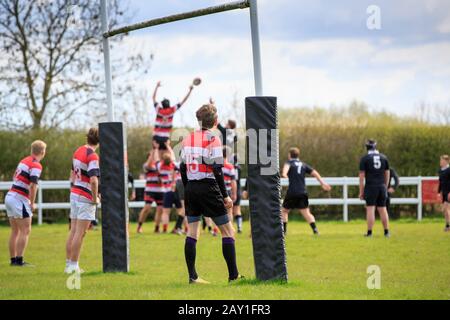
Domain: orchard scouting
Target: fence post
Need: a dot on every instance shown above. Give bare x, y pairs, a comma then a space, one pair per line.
419, 198
345, 191
40, 200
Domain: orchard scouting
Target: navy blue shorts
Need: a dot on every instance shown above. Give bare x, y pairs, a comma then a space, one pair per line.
171, 199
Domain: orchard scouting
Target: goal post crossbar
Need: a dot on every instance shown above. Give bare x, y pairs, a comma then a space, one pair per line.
178, 17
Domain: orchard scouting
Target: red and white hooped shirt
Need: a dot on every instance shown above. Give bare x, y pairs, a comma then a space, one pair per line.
201, 151
28, 171
164, 120
85, 164
166, 175
229, 174
152, 181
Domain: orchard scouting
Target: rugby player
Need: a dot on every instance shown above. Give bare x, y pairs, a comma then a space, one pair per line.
392, 187
167, 175
296, 196
374, 179
444, 188
20, 202
237, 203
205, 192
229, 176
164, 117
84, 198
153, 190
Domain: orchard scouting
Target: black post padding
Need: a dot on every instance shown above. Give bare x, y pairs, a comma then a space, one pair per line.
264, 188
114, 191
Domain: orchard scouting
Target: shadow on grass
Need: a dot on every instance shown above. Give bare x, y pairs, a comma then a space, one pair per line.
256, 282
101, 273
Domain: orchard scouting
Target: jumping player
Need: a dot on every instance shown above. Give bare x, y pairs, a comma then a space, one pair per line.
164, 117
237, 214
296, 196
20, 202
153, 190
444, 188
84, 198
374, 179
205, 192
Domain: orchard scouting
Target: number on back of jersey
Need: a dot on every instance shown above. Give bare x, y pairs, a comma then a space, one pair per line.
377, 162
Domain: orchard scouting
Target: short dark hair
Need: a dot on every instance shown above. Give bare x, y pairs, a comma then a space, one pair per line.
92, 137
165, 103
294, 153
207, 116
371, 144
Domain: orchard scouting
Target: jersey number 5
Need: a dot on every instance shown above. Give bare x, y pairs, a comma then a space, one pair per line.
377, 162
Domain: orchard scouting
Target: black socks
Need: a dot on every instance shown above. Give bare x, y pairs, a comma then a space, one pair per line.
229, 253
179, 222
285, 227
190, 252
314, 227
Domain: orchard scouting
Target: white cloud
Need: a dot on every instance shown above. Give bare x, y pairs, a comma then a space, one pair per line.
319, 72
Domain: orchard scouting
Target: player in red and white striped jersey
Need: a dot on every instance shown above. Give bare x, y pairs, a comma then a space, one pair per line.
20, 202
153, 192
84, 197
167, 173
164, 117
205, 192
229, 176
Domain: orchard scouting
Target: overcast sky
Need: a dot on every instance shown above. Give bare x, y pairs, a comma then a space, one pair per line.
315, 52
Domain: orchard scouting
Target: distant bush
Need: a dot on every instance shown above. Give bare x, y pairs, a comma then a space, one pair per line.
332, 141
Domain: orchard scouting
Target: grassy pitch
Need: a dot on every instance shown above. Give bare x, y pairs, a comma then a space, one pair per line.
415, 264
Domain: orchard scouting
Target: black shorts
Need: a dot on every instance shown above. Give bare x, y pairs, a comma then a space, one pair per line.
171, 199
238, 199
375, 196
203, 197
151, 197
161, 141
299, 201
445, 197
180, 189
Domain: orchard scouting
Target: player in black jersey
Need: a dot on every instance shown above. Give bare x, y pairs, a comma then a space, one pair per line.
444, 188
374, 179
296, 196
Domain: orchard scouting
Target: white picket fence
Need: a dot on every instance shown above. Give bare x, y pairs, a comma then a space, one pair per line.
344, 182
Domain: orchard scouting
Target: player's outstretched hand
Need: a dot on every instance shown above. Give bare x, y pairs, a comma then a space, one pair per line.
326, 187
228, 203
158, 84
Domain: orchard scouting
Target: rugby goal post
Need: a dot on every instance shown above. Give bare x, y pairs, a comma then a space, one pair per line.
261, 112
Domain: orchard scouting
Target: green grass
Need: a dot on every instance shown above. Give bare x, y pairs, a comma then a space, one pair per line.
415, 264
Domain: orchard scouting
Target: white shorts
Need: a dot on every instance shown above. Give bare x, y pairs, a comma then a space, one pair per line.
82, 210
17, 206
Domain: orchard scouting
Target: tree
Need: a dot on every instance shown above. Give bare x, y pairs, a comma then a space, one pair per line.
51, 64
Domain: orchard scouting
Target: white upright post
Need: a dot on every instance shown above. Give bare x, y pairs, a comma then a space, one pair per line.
345, 193
256, 48
419, 198
106, 54
40, 200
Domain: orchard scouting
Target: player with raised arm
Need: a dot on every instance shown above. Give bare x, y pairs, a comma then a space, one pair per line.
84, 198
20, 202
205, 192
153, 190
297, 196
165, 113
444, 188
374, 176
